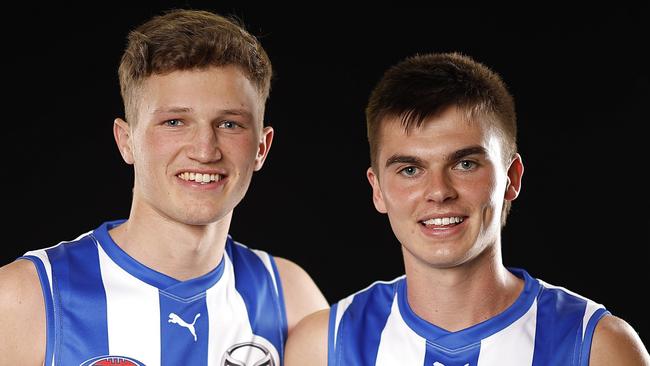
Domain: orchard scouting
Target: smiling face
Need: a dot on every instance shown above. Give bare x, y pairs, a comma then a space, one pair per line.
197, 140
443, 185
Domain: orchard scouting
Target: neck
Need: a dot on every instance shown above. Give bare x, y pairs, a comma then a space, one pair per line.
465, 295
178, 250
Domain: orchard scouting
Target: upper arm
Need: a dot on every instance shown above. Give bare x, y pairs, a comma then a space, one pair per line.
307, 345
301, 295
22, 315
616, 343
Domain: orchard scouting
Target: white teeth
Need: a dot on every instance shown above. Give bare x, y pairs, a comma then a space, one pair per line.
444, 221
199, 177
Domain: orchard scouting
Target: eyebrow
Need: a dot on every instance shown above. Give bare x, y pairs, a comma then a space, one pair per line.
456, 155
472, 150
172, 110
228, 112
404, 159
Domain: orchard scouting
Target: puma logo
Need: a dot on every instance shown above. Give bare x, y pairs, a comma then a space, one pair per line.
175, 319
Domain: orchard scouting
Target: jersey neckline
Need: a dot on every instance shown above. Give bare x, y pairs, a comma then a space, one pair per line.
476, 333
182, 289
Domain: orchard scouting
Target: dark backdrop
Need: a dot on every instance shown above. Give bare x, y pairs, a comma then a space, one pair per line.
579, 76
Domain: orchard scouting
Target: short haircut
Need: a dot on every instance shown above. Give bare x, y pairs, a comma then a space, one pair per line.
422, 86
186, 40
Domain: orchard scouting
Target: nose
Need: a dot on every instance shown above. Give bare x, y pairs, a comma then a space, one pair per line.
440, 187
204, 144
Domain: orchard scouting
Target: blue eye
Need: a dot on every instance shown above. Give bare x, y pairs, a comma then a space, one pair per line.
409, 171
466, 165
228, 125
173, 122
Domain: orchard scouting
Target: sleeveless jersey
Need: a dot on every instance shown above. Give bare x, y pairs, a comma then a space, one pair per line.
105, 308
546, 325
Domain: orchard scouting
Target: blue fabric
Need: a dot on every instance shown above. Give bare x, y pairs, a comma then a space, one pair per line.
256, 287
558, 338
360, 327
178, 345
79, 302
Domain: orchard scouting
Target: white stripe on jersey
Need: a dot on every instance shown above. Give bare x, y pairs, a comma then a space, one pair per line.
592, 307
224, 296
266, 259
230, 325
397, 335
518, 338
133, 326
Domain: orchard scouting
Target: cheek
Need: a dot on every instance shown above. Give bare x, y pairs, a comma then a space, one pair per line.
401, 195
237, 143
150, 150
483, 188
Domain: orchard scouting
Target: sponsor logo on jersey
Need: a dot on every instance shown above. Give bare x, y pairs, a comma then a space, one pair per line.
175, 319
442, 364
247, 354
112, 361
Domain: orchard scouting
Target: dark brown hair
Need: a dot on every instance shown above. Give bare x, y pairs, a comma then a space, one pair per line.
422, 86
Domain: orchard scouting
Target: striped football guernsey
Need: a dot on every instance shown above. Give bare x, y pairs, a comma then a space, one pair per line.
545, 326
105, 308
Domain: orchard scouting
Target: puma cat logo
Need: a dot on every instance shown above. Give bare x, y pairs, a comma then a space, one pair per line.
175, 319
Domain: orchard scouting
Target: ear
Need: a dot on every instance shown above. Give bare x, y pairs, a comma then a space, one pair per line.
377, 196
263, 147
122, 134
515, 172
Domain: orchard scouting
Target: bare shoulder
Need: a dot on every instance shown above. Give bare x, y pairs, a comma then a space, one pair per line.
616, 343
22, 314
301, 294
307, 345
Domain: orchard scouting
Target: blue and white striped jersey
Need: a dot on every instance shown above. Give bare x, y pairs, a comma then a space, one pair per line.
546, 325
105, 308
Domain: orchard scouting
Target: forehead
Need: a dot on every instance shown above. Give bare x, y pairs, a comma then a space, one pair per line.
438, 135
214, 88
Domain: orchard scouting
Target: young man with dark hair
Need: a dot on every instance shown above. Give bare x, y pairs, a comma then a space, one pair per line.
445, 168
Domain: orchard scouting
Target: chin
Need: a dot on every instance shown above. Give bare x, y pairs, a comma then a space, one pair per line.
201, 218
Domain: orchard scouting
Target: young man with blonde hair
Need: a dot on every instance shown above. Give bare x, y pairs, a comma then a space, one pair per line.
168, 286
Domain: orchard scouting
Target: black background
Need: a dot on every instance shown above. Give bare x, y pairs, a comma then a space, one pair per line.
579, 77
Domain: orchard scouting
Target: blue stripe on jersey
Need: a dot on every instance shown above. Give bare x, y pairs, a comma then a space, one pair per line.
361, 326
558, 335
283, 308
79, 301
183, 330
257, 289
330, 331
589, 335
461, 357
49, 307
